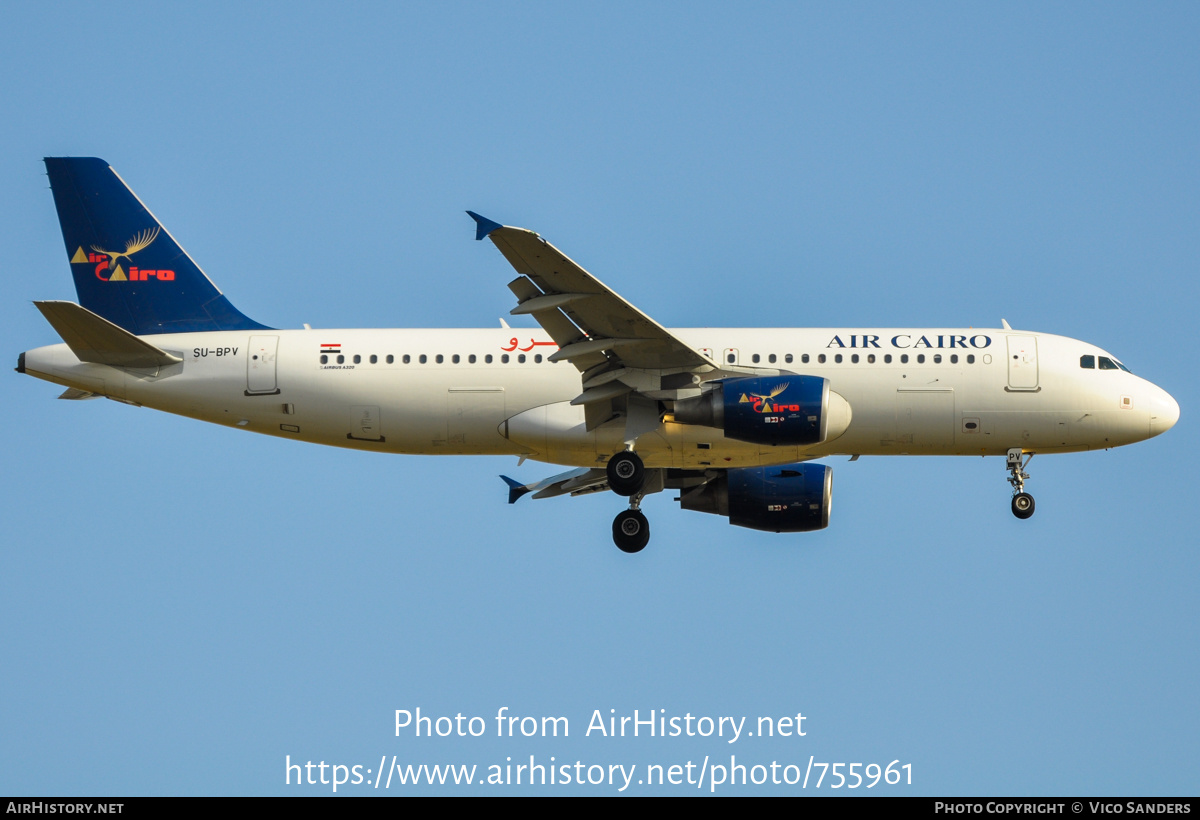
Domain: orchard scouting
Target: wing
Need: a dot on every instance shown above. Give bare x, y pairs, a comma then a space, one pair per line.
575, 482
594, 327
629, 363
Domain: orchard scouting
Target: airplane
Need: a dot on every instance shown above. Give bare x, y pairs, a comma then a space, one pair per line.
730, 418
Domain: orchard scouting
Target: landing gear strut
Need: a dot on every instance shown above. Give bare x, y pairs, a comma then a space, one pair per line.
1022, 502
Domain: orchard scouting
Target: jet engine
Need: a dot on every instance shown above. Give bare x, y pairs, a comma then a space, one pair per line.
787, 498
790, 410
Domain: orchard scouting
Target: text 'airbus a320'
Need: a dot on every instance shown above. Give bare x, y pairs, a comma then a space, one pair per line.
730, 418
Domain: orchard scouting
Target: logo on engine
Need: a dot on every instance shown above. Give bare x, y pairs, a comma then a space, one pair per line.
762, 402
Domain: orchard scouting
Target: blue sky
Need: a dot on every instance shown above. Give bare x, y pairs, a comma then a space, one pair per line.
183, 606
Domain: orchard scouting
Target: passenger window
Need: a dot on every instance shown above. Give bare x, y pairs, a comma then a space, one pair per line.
324, 359
471, 359
754, 358
854, 358
887, 358
771, 358
440, 358
341, 359
537, 358
1088, 362
357, 359
487, 359
730, 358
953, 358
903, 358
920, 358
804, 358
870, 358
423, 359
521, 359
504, 358
788, 358
391, 359
374, 359
937, 358
456, 358
407, 359
970, 358
821, 358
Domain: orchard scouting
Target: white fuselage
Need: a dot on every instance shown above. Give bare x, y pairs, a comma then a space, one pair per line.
448, 391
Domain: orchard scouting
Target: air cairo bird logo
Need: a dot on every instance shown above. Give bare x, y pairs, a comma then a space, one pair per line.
108, 266
762, 403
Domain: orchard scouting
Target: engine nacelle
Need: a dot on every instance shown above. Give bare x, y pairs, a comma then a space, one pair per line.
790, 410
788, 498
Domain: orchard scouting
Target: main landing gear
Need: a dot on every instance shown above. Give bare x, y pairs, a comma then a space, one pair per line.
1022, 502
631, 531
627, 477
626, 473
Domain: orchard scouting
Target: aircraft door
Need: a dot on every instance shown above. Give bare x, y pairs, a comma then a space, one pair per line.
260, 366
1022, 363
730, 356
472, 415
924, 420
364, 423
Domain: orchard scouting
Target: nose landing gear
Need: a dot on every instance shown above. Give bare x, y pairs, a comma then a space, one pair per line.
1022, 502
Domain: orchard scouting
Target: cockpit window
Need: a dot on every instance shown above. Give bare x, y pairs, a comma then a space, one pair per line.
1088, 361
1107, 364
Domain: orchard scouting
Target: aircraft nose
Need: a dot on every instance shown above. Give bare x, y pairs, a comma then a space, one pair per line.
1164, 412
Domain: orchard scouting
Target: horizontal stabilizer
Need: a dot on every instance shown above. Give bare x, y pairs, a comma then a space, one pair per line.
75, 394
97, 340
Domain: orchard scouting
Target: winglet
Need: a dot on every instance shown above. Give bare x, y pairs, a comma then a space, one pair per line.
515, 488
483, 225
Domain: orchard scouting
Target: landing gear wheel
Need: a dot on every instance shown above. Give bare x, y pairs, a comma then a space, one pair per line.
631, 531
1022, 505
626, 473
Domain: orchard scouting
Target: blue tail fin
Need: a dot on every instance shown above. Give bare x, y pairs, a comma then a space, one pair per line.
127, 267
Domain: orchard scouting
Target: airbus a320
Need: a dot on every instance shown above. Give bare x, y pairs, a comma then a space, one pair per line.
732, 419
